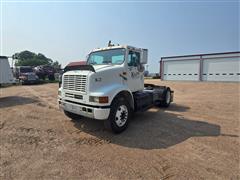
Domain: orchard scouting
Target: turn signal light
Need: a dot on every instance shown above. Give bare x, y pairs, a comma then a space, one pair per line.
103, 99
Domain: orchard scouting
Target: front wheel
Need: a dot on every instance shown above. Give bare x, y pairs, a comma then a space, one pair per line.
72, 115
119, 115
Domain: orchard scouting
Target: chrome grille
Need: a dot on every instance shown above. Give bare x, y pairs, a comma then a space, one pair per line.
75, 82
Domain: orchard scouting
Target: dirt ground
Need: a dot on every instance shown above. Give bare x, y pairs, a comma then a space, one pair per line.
196, 138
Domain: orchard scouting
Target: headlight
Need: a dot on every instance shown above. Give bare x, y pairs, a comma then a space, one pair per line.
97, 99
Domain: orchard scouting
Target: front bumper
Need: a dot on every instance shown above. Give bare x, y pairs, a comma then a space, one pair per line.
100, 113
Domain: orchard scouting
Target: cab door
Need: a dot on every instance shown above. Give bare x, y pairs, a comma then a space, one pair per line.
135, 78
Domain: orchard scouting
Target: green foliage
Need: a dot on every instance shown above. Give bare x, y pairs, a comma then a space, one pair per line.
28, 58
56, 65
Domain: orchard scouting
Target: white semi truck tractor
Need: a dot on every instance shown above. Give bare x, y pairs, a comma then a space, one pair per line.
110, 87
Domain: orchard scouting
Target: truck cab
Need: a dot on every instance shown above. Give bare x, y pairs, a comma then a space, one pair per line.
110, 87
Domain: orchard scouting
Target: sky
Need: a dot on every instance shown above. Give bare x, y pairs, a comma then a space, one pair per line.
66, 31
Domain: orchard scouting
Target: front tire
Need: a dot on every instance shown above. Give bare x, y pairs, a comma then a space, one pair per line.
119, 115
72, 115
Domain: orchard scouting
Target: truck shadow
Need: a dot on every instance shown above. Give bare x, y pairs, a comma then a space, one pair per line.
10, 101
154, 129
177, 108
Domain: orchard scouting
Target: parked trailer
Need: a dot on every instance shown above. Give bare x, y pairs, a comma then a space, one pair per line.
6, 76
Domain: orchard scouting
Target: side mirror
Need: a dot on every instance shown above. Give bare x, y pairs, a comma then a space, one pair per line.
144, 56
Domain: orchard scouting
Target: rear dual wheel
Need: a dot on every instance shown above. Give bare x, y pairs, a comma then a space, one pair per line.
166, 98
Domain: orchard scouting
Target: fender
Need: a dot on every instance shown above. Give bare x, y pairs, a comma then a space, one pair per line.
112, 91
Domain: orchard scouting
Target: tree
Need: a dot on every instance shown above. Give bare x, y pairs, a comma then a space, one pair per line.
28, 58
56, 65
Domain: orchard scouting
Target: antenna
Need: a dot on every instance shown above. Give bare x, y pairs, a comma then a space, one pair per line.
110, 43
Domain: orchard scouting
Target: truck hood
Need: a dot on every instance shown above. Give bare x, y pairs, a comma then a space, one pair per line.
101, 67
97, 68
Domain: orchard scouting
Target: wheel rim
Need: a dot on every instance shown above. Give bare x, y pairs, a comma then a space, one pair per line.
168, 97
121, 115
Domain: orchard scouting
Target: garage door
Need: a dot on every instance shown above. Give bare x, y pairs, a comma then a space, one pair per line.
227, 69
187, 70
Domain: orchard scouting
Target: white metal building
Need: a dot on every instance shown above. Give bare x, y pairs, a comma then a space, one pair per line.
202, 67
6, 75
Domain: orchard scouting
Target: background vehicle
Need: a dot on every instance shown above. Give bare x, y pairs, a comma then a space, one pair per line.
45, 71
6, 76
26, 75
111, 87
154, 75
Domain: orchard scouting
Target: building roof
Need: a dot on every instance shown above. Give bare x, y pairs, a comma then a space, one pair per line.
208, 54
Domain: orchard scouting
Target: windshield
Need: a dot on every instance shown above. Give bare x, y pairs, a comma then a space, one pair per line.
111, 56
26, 69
